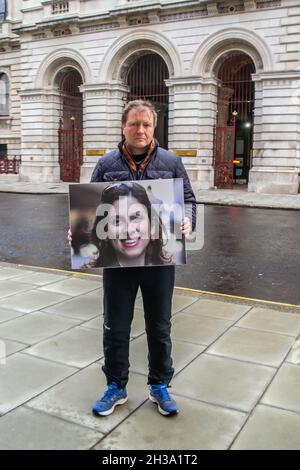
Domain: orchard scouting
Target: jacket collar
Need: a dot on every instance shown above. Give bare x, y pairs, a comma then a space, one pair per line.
124, 151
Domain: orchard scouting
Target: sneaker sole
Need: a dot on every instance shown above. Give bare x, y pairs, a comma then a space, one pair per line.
162, 412
112, 409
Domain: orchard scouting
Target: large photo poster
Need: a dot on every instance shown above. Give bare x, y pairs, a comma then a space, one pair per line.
127, 224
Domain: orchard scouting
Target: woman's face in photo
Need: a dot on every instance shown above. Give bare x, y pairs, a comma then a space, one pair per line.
129, 229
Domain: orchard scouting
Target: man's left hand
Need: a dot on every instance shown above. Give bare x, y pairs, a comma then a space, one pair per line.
185, 226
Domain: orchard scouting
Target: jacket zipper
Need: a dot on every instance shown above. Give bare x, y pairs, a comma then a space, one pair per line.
154, 155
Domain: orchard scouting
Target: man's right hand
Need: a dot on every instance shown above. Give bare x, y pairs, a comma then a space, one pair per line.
69, 237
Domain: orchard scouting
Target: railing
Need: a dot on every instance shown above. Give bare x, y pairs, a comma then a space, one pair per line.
10, 165
59, 7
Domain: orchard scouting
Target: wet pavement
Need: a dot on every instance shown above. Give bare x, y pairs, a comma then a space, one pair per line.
247, 252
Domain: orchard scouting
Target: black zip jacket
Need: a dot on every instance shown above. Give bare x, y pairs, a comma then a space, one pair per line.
162, 164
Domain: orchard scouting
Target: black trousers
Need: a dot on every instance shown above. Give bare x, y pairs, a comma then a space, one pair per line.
120, 290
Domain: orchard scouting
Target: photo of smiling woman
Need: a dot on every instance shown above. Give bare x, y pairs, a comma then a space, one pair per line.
127, 223
128, 231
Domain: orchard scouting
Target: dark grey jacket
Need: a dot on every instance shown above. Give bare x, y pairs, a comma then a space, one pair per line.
162, 164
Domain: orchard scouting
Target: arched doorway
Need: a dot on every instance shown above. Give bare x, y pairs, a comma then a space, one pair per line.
234, 124
70, 132
146, 80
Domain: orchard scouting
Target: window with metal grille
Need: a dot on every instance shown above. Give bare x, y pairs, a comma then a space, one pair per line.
3, 151
4, 95
146, 79
3, 10
71, 99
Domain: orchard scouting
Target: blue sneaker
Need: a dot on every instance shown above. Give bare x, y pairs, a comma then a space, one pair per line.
112, 397
166, 405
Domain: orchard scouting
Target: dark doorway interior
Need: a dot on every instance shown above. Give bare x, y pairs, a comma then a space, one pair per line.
235, 115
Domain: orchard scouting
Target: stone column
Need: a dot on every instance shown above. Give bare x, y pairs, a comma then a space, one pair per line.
276, 146
39, 135
192, 115
103, 108
9, 6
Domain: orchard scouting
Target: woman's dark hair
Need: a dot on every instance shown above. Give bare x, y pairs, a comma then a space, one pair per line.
106, 254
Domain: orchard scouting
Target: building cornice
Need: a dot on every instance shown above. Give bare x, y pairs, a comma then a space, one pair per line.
190, 82
138, 7
123, 15
276, 76
103, 89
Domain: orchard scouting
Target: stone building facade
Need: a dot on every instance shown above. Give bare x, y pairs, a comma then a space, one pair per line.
224, 76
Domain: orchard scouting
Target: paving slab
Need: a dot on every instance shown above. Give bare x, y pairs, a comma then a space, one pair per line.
218, 309
10, 287
39, 279
10, 273
77, 347
35, 327
72, 286
98, 292
265, 319
271, 429
24, 377
9, 314
294, 355
224, 382
284, 390
32, 300
46, 432
95, 324
254, 346
201, 330
8, 347
83, 307
179, 302
198, 426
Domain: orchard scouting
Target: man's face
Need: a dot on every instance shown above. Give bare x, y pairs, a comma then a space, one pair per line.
138, 130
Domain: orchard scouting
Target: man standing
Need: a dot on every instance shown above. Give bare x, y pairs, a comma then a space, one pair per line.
138, 157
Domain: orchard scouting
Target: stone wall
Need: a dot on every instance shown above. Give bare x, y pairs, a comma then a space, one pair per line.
192, 40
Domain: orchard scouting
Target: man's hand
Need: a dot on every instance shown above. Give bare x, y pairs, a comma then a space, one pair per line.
186, 226
69, 237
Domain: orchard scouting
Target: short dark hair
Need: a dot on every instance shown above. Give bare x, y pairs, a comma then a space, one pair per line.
142, 105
